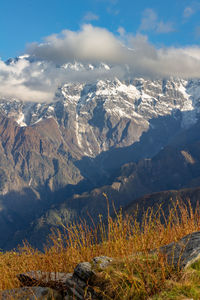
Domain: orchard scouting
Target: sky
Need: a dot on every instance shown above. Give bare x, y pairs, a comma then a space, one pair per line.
153, 39
166, 23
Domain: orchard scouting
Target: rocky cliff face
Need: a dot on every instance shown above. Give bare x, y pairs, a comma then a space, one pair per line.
88, 120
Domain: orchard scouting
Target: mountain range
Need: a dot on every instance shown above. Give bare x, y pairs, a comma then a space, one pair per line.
131, 139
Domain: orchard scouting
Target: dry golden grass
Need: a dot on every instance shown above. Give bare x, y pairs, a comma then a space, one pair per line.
121, 238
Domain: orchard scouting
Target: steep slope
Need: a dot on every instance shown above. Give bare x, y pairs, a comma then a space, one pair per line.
34, 161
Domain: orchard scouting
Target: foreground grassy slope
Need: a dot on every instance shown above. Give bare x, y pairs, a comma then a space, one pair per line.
138, 276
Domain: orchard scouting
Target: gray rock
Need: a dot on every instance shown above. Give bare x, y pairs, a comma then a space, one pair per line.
75, 284
31, 293
56, 280
84, 271
83, 277
184, 252
69, 286
102, 261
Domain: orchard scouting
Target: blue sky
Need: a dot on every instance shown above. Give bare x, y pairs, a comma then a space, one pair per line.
151, 39
166, 23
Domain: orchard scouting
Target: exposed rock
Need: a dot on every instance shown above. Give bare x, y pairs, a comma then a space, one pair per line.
51, 279
102, 261
183, 253
84, 271
31, 293
77, 286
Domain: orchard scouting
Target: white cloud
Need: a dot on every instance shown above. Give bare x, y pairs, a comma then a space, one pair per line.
121, 31
164, 27
150, 22
89, 44
94, 44
128, 55
89, 16
26, 81
188, 12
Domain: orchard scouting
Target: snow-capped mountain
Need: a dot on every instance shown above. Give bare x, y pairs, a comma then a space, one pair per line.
109, 113
50, 150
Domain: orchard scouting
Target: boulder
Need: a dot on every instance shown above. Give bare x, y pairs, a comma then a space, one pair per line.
183, 253
84, 271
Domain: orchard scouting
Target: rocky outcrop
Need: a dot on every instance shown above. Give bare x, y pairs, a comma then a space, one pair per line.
78, 285
183, 253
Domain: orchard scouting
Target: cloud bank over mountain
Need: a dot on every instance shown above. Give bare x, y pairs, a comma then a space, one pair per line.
127, 55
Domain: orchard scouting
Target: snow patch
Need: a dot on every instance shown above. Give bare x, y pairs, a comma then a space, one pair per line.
20, 120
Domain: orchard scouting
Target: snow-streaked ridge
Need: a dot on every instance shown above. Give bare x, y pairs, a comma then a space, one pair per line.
85, 107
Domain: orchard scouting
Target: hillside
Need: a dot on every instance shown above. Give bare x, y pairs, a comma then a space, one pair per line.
117, 263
